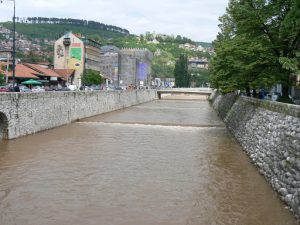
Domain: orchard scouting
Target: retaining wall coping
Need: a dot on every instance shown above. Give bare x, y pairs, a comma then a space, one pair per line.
288, 109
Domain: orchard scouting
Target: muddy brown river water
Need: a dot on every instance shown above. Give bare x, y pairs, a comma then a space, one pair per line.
168, 162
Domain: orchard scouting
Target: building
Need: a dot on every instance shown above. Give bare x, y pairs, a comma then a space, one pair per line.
126, 67
66, 74
198, 63
109, 63
77, 53
45, 75
25, 71
121, 67
135, 67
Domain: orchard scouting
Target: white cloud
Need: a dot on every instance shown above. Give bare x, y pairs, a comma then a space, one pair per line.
196, 19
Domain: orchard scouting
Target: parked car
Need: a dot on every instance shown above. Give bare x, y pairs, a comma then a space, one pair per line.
3, 89
91, 88
62, 89
110, 88
24, 88
72, 87
38, 89
119, 88
271, 96
49, 89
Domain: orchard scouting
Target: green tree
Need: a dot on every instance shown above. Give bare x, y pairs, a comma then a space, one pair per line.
200, 77
258, 45
2, 79
91, 77
181, 74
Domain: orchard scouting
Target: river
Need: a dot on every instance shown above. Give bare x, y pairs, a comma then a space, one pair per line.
167, 162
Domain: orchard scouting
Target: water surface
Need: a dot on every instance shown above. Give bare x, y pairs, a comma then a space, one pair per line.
161, 163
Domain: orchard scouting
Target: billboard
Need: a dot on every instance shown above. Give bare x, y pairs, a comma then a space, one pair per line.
76, 53
142, 71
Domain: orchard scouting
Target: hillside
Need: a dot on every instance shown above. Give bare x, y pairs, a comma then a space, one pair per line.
53, 31
166, 48
205, 44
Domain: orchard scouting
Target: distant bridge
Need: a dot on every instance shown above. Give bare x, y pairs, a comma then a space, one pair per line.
194, 91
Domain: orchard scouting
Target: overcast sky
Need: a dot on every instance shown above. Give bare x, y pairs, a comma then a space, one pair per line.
195, 19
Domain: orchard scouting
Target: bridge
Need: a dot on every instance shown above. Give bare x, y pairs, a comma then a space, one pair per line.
194, 91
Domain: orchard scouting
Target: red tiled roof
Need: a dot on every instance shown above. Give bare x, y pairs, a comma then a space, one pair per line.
23, 72
43, 71
65, 73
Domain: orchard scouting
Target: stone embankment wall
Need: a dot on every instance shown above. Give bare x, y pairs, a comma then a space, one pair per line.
28, 113
269, 132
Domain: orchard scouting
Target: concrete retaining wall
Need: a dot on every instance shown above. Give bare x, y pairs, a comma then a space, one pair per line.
28, 113
269, 132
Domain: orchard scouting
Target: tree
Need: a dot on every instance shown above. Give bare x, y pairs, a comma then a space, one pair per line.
200, 77
2, 79
91, 77
258, 45
182, 77
142, 38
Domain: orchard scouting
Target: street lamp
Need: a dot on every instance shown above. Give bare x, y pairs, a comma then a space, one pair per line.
14, 43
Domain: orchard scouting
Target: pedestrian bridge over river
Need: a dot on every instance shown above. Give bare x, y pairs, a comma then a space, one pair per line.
190, 91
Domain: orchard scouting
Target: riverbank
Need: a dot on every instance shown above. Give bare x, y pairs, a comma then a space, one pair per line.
27, 113
269, 132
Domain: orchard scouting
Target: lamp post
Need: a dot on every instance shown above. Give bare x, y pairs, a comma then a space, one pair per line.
14, 43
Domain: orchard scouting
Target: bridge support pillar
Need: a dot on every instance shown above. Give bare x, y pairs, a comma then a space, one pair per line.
159, 95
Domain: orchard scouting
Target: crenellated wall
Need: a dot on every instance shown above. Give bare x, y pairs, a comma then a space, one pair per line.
28, 113
269, 132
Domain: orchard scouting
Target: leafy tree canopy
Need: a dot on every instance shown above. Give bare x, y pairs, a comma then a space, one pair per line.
91, 77
181, 74
2, 79
258, 45
199, 77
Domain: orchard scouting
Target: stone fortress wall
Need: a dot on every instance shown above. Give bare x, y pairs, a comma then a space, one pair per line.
28, 113
269, 132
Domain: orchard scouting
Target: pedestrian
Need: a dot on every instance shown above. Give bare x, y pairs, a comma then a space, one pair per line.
261, 94
17, 88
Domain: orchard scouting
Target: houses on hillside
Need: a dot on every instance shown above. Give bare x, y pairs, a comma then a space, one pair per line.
198, 63
196, 48
25, 45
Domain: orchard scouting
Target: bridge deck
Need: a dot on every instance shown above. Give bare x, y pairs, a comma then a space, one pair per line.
184, 91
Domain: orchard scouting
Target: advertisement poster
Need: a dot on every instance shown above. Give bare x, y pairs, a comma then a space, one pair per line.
76, 53
142, 71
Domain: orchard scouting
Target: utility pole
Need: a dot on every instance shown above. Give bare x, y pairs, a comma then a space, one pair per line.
119, 67
7, 66
14, 45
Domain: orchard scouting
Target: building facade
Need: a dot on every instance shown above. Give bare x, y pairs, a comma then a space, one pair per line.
198, 63
76, 53
121, 67
109, 63
126, 67
135, 67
